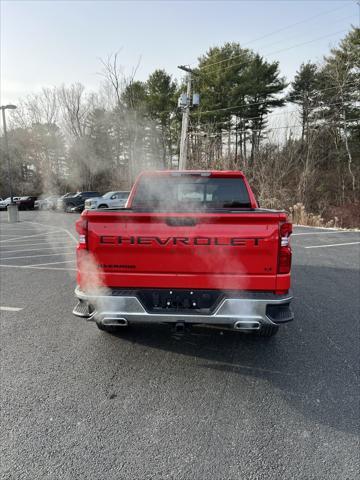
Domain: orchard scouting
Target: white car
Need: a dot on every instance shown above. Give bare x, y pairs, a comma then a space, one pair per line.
46, 203
4, 203
109, 200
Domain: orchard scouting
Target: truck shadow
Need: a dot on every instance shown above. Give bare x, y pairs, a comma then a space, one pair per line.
312, 362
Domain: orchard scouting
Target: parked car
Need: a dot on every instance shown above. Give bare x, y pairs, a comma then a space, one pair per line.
191, 247
60, 201
4, 203
78, 201
46, 203
108, 200
26, 203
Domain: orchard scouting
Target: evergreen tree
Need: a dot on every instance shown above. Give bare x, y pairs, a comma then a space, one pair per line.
304, 91
161, 104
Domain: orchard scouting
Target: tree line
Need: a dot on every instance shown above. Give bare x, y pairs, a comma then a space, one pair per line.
297, 142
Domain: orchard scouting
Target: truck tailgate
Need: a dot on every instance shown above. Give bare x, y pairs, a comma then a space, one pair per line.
234, 251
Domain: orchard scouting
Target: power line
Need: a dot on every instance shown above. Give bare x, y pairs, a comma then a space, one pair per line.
308, 19
294, 24
270, 115
291, 126
311, 119
271, 53
298, 36
265, 101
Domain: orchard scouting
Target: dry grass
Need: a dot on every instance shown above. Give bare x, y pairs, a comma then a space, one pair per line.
300, 216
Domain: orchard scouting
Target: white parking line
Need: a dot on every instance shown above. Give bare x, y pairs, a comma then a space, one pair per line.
10, 309
61, 228
44, 241
17, 230
42, 255
64, 242
8, 235
51, 263
34, 249
38, 268
319, 233
30, 236
338, 229
334, 245
42, 224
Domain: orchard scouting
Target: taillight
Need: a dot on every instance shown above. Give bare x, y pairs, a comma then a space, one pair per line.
285, 232
284, 264
82, 229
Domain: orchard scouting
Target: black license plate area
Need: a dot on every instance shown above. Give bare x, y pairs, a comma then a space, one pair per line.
180, 301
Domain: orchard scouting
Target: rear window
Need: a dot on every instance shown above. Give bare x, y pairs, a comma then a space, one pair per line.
178, 193
123, 195
89, 194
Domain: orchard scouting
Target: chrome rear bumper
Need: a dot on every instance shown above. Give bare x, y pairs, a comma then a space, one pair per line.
250, 312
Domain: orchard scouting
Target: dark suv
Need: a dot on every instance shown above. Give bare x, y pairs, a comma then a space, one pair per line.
77, 202
26, 203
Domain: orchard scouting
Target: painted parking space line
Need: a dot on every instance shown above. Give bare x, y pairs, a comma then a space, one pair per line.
41, 224
7, 235
334, 245
298, 225
42, 255
61, 228
50, 263
39, 268
25, 240
64, 242
17, 230
36, 249
320, 233
10, 309
32, 236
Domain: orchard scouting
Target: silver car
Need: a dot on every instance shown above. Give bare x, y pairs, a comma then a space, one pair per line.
109, 200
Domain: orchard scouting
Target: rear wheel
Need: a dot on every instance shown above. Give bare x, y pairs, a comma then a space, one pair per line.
69, 207
268, 331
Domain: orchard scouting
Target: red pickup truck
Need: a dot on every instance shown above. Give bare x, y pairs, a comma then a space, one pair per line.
190, 247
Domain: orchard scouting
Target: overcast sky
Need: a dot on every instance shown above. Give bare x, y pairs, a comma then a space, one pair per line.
47, 43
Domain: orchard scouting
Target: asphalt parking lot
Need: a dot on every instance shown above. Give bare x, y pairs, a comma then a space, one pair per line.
77, 403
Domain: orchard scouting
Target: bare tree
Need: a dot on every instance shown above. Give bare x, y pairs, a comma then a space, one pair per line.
113, 74
74, 108
37, 108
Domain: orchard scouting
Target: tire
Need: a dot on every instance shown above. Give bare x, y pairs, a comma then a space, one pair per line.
103, 206
108, 329
68, 207
268, 331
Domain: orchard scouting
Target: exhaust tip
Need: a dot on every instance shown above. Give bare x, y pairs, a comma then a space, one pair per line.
114, 322
180, 327
246, 325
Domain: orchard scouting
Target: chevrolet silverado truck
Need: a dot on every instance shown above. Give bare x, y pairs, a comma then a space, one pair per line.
190, 248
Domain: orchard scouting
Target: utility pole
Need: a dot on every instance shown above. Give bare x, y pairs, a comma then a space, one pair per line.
185, 120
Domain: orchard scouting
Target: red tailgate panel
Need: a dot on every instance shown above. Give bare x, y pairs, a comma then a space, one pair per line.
161, 250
